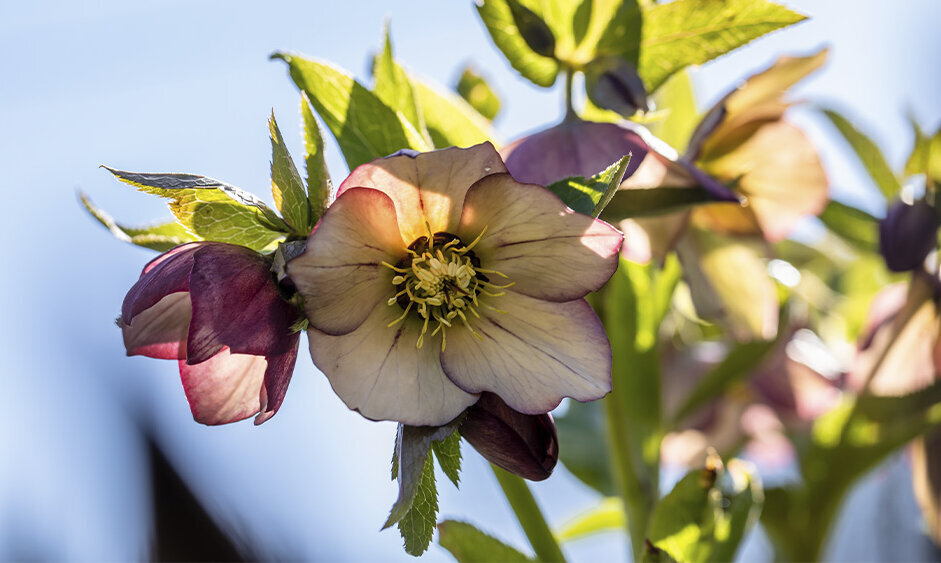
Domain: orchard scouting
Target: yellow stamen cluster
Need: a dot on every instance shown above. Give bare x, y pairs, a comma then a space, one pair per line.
440, 279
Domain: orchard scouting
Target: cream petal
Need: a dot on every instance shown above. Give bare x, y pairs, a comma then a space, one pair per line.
340, 275
380, 372
225, 388
533, 354
160, 331
428, 187
547, 250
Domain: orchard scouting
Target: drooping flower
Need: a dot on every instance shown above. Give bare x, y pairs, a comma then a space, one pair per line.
524, 444
907, 234
216, 309
436, 277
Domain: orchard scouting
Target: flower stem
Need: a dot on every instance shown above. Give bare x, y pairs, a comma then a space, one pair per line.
529, 516
570, 114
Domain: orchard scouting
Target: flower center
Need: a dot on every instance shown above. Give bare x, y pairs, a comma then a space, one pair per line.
440, 280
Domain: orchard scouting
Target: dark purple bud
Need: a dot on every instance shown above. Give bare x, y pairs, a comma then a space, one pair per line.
907, 234
613, 83
523, 444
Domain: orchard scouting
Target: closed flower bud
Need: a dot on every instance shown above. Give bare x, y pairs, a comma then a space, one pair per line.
613, 83
523, 444
907, 234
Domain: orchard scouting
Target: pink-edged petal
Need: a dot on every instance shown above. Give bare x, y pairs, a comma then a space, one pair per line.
160, 331
165, 274
380, 372
277, 377
340, 275
235, 304
429, 187
532, 354
547, 250
225, 388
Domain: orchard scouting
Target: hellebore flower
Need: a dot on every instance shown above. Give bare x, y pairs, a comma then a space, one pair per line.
524, 444
908, 234
435, 277
215, 308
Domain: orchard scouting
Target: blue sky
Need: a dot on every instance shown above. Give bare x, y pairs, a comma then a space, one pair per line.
187, 87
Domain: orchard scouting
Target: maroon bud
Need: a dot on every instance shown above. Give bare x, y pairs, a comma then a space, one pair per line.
907, 234
523, 444
613, 83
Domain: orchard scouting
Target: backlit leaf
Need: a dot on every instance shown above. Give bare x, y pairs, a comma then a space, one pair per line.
290, 197
160, 237
498, 17
469, 545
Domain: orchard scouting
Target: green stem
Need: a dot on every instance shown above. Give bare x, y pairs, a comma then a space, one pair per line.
626, 480
570, 114
529, 516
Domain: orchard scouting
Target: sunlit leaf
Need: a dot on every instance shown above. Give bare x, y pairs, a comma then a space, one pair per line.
210, 209
500, 22
729, 281
290, 197
689, 32
319, 185
393, 87
161, 237
469, 545
854, 225
606, 516
868, 154
365, 128
591, 195
449, 119
678, 99
475, 91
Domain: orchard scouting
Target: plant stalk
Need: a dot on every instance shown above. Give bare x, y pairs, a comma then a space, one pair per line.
530, 516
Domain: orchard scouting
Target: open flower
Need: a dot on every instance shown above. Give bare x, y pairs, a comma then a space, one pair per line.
215, 308
435, 277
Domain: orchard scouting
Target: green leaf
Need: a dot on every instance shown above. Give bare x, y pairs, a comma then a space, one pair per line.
691, 32
450, 120
677, 97
418, 524
583, 448
606, 516
210, 209
736, 366
319, 185
475, 90
533, 29
926, 155
365, 128
707, 513
290, 197
469, 545
631, 203
412, 452
868, 153
498, 17
590, 195
853, 225
160, 237
729, 282
392, 86
448, 454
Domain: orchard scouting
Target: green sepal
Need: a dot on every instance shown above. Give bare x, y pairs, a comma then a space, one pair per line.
319, 184
853, 225
287, 188
161, 237
211, 209
590, 195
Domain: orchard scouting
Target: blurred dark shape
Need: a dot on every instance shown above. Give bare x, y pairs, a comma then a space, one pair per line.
613, 84
908, 234
524, 444
183, 529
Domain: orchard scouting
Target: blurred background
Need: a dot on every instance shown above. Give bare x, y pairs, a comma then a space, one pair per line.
187, 87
